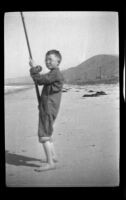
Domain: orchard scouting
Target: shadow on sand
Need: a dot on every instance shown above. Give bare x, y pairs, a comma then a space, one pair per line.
19, 160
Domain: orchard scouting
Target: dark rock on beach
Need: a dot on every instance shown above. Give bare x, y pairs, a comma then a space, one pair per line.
65, 89
95, 94
90, 91
101, 93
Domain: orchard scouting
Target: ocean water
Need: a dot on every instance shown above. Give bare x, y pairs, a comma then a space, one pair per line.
11, 89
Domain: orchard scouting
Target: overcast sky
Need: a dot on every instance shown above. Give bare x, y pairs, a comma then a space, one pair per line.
77, 35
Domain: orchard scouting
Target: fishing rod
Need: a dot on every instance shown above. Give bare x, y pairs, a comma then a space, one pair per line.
30, 54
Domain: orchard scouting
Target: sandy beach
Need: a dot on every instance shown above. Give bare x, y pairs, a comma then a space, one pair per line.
86, 138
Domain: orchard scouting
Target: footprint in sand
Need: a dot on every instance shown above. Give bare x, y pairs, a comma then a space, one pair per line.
23, 150
11, 174
92, 145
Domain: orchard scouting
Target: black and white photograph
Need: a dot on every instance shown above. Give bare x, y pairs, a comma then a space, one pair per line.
62, 99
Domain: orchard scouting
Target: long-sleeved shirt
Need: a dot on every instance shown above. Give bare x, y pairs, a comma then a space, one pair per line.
52, 81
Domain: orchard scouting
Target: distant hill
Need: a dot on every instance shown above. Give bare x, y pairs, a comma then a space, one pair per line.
97, 69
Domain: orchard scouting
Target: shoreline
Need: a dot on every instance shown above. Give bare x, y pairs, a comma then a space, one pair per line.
27, 87
15, 89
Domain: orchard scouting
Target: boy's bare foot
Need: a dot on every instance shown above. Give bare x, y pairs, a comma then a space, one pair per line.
46, 167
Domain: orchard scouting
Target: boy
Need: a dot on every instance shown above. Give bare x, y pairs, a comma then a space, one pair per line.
49, 103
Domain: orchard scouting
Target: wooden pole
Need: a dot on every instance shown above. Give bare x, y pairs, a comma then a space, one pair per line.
30, 54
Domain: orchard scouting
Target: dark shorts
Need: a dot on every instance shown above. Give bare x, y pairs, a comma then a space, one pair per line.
45, 126
48, 111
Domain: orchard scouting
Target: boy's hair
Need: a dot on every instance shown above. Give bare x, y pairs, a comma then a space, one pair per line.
56, 52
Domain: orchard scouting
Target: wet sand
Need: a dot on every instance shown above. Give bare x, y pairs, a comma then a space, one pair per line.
86, 138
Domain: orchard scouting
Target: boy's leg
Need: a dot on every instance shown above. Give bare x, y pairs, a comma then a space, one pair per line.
54, 156
48, 152
53, 151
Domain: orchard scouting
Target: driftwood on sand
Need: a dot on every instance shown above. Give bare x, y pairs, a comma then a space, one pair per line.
96, 94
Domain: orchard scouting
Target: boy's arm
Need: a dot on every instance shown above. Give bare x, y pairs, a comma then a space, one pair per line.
43, 79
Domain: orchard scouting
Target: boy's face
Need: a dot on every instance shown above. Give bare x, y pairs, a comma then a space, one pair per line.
52, 61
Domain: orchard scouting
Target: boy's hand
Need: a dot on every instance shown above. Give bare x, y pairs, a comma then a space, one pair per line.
31, 70
32, 62
35, 70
